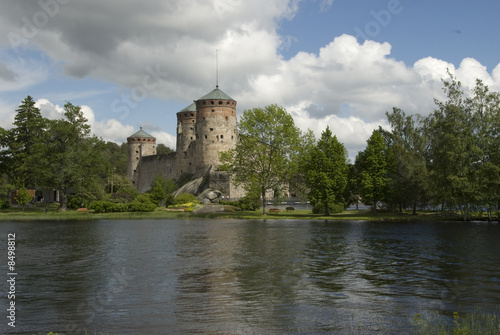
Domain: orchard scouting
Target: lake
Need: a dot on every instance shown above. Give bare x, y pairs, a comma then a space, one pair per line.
225, 276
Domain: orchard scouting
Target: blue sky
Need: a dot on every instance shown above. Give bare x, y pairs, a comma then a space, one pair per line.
338, 63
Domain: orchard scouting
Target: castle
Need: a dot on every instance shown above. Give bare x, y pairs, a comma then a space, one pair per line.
204, 128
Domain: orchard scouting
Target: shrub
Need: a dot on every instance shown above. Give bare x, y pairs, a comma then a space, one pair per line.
136, 206
169, 200
101, 206
119, 207
230, 203
249, 203
144, 198
319, 208
185, 198
75, 202
4, 204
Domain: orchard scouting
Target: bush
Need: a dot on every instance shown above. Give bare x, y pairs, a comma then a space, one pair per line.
185, 198
74, 202
319, 208
249, 203
136, 206
230, 203
101, 206
4, 204
144, 198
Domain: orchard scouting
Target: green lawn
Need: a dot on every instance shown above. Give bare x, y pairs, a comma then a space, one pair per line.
51, 212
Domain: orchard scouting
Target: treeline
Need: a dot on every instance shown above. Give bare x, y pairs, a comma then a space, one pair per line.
40, 153
449, 160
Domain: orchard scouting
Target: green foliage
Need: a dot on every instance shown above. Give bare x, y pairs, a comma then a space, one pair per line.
185, 198
116, 158
136, 206
75, 202
250, 202
477, 322
326, 171
409, 174
23, 197
319, 208
71, 156
141, 204
266, 155
24, 144
162, 149
124, 188
161, 191
4, 204
101, 206
373, 168
144, 198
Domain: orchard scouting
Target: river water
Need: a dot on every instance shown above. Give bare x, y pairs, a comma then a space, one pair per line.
208, 276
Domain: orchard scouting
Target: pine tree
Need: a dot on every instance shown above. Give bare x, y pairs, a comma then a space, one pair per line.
25, 144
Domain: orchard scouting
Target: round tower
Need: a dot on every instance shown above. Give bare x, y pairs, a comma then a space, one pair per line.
139, 145
216, 128
186, 134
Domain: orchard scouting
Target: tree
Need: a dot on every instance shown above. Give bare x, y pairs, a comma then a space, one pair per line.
266, 155
485, 107
72, 156
161, 190
24, 143
409, 144
326, 171
23, 197
116, 157
372, 165
454, 151
162, 149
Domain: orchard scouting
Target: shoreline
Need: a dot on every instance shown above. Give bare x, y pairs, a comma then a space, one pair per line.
229, 213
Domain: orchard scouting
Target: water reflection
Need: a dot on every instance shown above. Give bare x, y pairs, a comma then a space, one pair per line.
236, 276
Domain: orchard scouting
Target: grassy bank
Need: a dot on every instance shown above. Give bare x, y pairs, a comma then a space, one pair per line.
50, 212
476, 322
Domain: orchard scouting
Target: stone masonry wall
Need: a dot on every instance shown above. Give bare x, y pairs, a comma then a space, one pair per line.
151, 166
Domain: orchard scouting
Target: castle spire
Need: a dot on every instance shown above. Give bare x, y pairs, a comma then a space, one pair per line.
216, 68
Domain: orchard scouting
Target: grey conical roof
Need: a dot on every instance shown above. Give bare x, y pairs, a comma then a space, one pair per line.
190, 108
216, 94
141, 133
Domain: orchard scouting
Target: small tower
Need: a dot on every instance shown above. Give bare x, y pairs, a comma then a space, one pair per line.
216, 129
139, 145
186, 134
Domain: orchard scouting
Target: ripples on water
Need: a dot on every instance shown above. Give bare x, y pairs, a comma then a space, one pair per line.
240, 277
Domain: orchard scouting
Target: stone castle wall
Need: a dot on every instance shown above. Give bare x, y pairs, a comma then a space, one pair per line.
156, 165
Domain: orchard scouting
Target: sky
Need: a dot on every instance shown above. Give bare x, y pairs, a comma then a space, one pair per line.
336, 63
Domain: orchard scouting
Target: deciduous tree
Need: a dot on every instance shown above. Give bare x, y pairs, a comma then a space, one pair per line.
72, 156
266, 155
